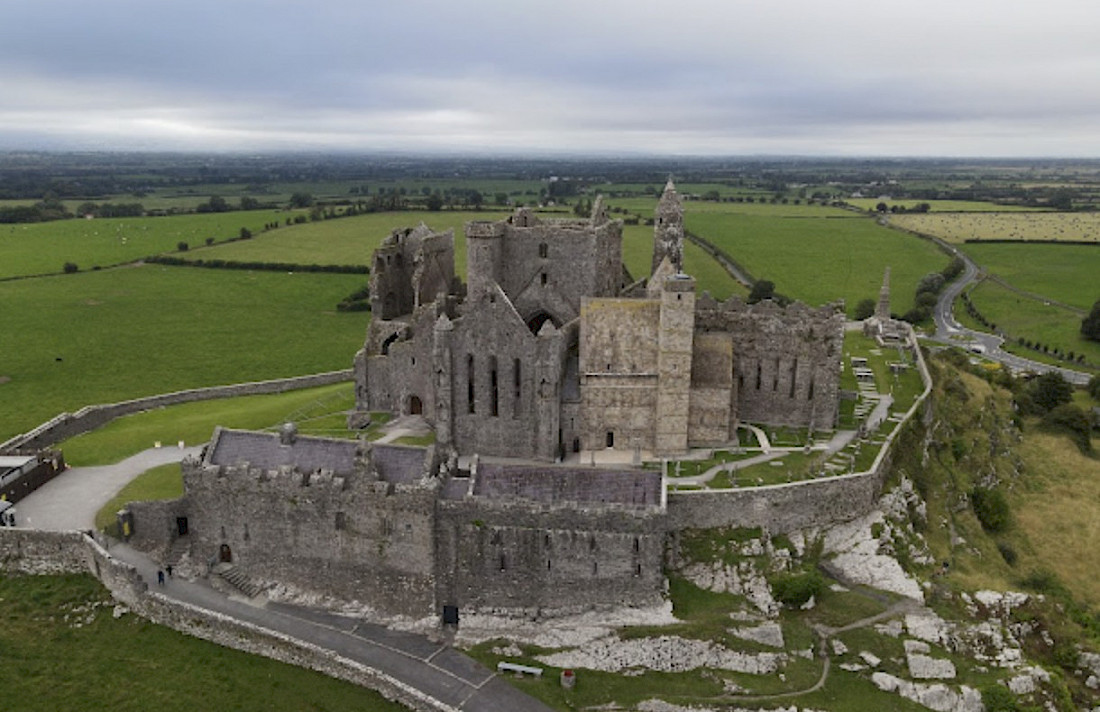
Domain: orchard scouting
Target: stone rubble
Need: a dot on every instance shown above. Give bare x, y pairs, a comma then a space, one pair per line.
663, 654
924, 667
769, 634
857, 558
742, 580
937, 696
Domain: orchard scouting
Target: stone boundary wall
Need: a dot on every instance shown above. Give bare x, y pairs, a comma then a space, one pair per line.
90, 417
29, 551
799, 505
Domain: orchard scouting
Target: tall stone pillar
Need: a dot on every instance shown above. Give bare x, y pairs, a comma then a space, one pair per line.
674, 347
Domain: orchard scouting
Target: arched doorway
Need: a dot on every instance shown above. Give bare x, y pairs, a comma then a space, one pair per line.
225, 554
416, 407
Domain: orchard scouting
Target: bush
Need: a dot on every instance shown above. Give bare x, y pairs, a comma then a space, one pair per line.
991, 508
795, 589
864, 309
996, 698
70, 267
1074, 420
181, 246
1050, 390
1094, 387
1008, 553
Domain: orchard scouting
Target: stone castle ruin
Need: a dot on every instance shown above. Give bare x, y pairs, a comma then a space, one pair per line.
550, 353
553, 348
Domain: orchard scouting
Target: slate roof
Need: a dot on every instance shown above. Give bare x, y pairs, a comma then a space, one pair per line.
263, 450
555, 485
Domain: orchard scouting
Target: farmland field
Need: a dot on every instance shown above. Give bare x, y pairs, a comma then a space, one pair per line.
44, 248
941, 206
709, 275
1065, 273
99, 337
959, 227
344, 241
1020, 316
821, 259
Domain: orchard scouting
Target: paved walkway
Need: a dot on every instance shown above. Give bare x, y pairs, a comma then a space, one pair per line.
71, 500
428, 664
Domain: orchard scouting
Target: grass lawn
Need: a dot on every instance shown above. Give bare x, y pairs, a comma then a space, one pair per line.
821, 259
1018, 316
44, 248
1065, 273
101, 337
164, 482
63, 650
1017, 225
317, 411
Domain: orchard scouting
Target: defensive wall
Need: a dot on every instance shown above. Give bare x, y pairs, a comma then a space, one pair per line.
27, 551
67, 425
808, 504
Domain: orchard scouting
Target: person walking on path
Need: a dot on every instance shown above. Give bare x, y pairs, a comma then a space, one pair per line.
168, 570
160, 577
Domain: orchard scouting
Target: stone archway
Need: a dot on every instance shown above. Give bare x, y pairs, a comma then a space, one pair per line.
416, 406
225, 554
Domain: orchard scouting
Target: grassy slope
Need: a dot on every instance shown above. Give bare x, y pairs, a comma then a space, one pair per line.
129, 665
44, 248
1066, 273
143, 330
317, 411
818, 260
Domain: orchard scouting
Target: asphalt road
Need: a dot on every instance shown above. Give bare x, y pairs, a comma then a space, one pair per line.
950, 331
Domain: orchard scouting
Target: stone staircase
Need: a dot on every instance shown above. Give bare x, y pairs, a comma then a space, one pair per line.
180, 546
238, 580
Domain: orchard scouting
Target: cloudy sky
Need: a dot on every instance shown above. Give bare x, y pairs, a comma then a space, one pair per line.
708, 77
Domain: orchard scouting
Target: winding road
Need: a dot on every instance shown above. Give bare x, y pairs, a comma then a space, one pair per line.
950, 331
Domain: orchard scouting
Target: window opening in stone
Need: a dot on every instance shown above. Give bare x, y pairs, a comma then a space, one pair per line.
517, 388
543, 250
542, 277
610, 438
759, 373
469, 383
494, 399
775, 376
794, 376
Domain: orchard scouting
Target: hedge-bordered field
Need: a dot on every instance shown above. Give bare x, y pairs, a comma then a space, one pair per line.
959, 227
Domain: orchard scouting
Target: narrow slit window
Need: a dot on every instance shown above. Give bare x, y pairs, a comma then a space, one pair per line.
494, 398
469, 383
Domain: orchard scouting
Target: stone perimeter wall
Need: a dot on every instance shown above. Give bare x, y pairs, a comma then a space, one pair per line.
28, 551
67, 425
799, 505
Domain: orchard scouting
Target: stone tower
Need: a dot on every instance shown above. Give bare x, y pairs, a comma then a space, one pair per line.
675, 337
668, 230
882, 311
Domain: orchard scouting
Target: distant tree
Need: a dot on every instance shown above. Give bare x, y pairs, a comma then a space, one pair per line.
881, 207
953, 269
182, 246
1061, 199
864, 309
761, 290
301, 200
216, 204
475, 199
249, 203
1050, 390
1090, 325
501, 198
245, 233
434, 202
70, 267
932, 282
1094, 387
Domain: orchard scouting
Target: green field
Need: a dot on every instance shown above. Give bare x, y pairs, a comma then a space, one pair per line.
345, 241
44, 248
1064, 273
1020, 316
959, 227
100, 337
820, 259
64, 650
709, 275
